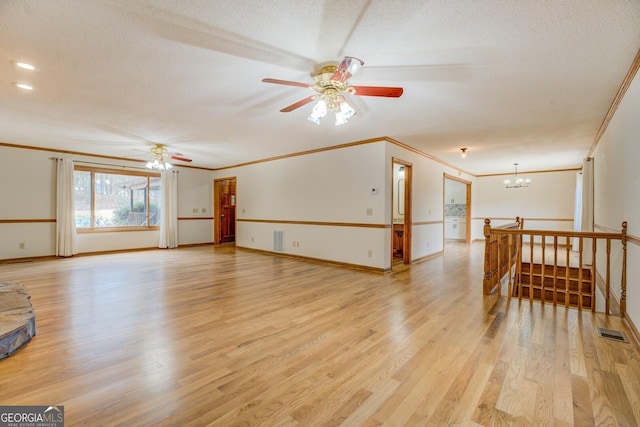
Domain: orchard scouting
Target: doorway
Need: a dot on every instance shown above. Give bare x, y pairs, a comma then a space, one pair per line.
224, 200
457, 209
401, 212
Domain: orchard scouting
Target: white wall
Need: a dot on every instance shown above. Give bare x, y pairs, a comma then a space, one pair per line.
27, 192
547, 204
330, 187
335, 186
195, 206
617, 189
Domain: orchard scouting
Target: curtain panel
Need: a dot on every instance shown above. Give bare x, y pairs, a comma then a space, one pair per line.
66, 244
577, 212
169, 211
586, 218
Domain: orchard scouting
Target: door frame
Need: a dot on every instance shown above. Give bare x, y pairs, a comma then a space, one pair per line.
217, 225
406, 237
467, 183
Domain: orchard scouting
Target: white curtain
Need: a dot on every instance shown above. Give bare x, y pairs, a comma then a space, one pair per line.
586, 219
577, 212
66, 244
169, 211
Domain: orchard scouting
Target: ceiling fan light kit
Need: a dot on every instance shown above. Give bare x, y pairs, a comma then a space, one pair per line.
159, 165
161, 158
330, 85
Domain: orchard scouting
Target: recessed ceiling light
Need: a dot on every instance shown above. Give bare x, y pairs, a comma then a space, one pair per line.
23, 65
24, 86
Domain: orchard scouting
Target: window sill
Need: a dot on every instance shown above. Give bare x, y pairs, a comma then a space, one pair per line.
115, 229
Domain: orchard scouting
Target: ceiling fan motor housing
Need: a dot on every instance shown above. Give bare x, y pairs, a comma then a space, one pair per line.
328, 89
324, 82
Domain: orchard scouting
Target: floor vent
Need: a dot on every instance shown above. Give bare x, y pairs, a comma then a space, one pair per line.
612, 335
278, 240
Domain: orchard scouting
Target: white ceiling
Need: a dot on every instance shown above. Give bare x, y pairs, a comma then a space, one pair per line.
514, 81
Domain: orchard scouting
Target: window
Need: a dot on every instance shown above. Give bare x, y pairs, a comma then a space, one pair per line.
105, 199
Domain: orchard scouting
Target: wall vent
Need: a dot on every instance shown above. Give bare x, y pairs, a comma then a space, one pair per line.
278, 240
612, 335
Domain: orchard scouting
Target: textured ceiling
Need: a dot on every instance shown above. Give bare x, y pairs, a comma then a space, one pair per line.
514, 81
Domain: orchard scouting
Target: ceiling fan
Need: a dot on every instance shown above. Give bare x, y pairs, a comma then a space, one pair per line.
161, 157
330, 85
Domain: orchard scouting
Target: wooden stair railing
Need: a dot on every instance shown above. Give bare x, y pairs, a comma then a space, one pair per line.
500, 255
553, 281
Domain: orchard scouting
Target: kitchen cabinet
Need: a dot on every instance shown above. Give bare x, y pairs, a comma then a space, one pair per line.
455, 228
455, 192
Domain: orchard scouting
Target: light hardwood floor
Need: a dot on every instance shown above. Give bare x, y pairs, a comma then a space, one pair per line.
222, 336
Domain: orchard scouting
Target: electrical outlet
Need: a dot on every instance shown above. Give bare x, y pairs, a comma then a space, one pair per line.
370, 253
369, 211
194, 210
204, 210
21, 245
251, 238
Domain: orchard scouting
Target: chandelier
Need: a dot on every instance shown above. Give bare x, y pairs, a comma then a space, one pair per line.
518, 182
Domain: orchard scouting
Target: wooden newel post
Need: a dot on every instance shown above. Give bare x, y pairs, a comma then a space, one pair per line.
486, 281
623, 280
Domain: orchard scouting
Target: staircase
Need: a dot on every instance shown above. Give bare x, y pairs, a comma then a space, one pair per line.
569, 286
545, 274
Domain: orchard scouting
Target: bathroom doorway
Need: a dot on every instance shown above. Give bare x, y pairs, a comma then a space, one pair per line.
401, 213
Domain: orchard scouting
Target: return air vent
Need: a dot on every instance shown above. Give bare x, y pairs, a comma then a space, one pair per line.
278, 240
612, 335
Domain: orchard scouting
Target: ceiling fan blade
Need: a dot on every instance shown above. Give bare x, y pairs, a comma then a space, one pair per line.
180, 159
347, 68
298, 104
390, 92
198, 31
451, 72
286, 82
